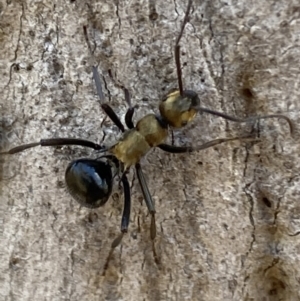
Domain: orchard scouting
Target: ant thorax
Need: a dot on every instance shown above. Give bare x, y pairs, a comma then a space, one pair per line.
135, 143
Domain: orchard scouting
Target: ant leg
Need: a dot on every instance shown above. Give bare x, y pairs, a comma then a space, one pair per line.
177, 48
249, 119
150, 206
128, 118
56, 142
105, 107
172, 137
124, 222
184, 149
130, 111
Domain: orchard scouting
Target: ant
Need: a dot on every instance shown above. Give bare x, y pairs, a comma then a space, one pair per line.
90, 181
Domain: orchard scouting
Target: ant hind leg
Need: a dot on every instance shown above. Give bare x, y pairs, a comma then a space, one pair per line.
151, 208
124, 222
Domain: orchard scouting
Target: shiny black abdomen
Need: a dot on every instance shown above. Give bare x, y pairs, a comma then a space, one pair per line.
89, 181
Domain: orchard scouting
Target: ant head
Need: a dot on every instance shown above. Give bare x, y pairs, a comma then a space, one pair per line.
180, 107
178, 110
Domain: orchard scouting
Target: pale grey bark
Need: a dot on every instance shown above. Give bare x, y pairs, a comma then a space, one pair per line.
227, 218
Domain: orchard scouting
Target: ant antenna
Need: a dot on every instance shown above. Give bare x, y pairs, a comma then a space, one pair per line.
177, 48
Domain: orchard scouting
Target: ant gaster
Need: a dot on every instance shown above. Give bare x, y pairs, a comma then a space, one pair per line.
90, 181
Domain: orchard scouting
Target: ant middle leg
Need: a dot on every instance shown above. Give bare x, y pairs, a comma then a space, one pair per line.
56, 142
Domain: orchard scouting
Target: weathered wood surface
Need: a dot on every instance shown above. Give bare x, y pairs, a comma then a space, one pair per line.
228, 218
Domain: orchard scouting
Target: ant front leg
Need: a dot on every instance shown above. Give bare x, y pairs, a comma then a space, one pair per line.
185, 149
248, 119
105, 106
130, 111
124, 222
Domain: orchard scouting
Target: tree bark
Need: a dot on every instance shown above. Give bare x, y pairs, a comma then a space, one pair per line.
227, 217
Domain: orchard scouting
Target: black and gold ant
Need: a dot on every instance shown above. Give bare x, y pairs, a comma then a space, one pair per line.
90, 181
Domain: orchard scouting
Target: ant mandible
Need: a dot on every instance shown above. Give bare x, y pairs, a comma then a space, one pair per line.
90, 181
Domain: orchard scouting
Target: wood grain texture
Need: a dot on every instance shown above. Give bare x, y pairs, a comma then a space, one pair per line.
228, 218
